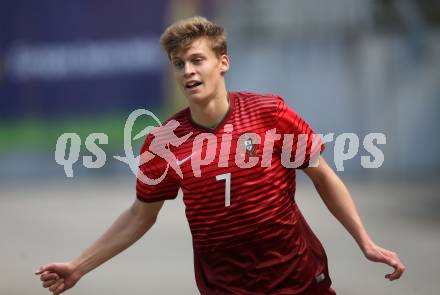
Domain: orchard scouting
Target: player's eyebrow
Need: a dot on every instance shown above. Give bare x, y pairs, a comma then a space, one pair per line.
192, 55
196, 54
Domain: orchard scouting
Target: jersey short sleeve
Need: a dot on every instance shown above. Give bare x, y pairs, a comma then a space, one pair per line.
306, 145
158, 170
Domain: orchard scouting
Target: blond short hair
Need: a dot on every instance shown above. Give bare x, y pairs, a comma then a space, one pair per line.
179, 36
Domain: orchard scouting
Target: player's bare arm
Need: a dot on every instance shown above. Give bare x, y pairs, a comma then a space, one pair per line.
132, 224
340, 203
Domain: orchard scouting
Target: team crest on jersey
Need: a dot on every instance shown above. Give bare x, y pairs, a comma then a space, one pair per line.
251, 148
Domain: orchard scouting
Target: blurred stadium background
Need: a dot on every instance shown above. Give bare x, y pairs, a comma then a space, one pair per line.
355, 66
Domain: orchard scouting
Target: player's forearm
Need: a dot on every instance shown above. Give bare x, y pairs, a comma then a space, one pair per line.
340, 203
126, 230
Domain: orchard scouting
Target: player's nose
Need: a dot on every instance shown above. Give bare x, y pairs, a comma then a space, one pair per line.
188, 71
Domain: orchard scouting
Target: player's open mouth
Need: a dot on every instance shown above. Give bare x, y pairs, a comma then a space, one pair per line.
192, 84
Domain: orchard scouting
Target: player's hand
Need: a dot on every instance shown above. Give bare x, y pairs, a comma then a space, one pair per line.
379, 254
58, 277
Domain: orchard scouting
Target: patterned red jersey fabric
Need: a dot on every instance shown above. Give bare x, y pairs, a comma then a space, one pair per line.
249, 236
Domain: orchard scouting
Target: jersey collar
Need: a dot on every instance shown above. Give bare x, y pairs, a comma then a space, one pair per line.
226, 116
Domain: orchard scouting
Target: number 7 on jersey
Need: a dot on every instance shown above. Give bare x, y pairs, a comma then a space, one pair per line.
227, 178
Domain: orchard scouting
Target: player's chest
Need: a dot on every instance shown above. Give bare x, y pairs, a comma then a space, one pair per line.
222, 170
204, 154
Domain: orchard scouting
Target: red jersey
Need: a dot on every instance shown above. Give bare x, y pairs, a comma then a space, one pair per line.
249, 236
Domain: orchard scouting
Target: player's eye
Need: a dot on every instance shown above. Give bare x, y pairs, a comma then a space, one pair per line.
178, 64
197, 60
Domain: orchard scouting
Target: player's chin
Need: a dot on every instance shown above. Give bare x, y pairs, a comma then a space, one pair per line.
196, 97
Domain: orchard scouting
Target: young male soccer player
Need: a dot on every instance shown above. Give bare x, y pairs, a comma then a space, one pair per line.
249, 236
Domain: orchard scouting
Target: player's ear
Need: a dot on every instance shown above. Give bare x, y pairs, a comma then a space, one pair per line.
224, 63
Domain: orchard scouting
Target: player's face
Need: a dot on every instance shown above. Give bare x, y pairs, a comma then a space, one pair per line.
199, 71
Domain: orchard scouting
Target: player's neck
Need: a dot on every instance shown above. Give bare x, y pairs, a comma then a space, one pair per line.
211, 113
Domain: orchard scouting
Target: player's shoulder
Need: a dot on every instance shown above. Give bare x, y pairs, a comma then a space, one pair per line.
258, 102
258, 98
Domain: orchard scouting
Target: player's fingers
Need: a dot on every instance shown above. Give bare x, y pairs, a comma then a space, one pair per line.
56, 285
44, 268
399, 268
59, 290
47, 284
398, 271
395, 262
41, 269
43, 273
392, 276
49, 276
